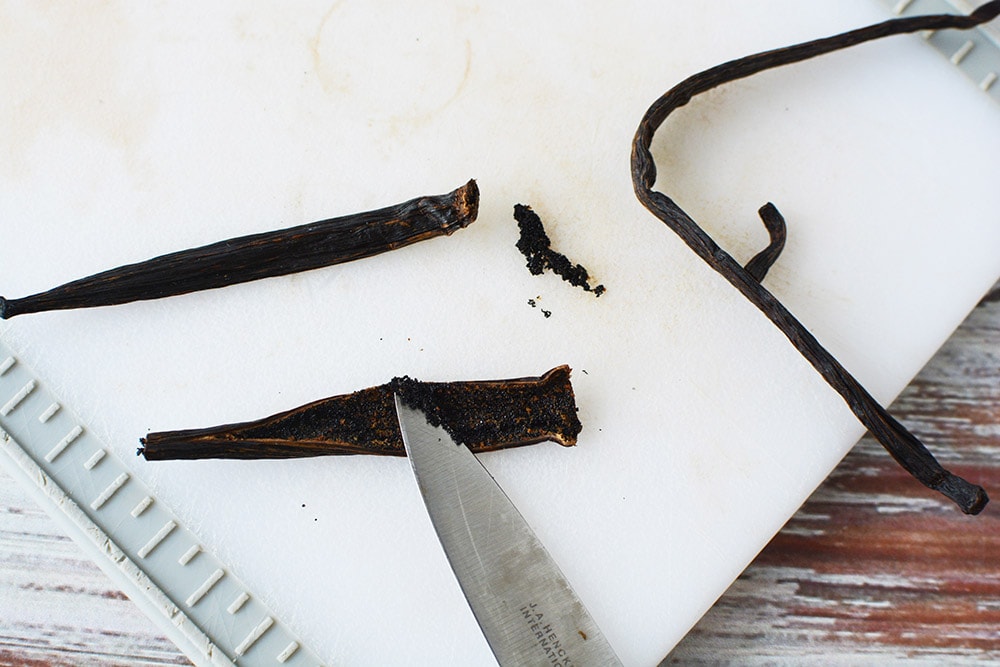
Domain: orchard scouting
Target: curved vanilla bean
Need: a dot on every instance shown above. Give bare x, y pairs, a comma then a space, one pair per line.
264, 255
485, 415
900, 443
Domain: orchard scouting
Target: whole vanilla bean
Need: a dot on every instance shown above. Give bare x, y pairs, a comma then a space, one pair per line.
263, 255
484, 415
899, 442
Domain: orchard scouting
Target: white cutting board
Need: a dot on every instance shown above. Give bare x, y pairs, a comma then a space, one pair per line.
130, 130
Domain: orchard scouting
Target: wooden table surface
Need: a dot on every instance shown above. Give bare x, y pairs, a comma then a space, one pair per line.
872, 569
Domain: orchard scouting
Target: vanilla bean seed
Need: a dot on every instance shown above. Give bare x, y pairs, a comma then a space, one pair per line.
535, 245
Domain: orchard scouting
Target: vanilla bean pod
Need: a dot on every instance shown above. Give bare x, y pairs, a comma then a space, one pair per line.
263, 255
484, 415
900, 443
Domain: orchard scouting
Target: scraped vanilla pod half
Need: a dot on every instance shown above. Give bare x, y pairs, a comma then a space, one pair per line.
264, 255
484, 415
900, 443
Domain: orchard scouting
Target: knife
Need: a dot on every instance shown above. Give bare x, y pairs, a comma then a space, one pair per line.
523, 603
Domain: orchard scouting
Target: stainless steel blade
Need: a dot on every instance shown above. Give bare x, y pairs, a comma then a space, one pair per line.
523, 603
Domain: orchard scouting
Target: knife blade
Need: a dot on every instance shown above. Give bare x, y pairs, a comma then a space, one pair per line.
521, 600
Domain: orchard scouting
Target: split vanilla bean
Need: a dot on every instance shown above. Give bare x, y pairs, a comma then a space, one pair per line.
900, 443
264, 255
484, 415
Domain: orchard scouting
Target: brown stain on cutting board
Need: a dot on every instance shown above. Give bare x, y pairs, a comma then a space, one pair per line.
330, 84
62, 67
342, 64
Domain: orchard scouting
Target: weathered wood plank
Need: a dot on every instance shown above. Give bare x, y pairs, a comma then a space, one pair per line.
873, 568
56, 606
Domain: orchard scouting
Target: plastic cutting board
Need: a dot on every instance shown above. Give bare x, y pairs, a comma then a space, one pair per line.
131, 130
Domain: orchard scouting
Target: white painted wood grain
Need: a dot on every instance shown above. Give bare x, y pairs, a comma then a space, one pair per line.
872, 569
57, 607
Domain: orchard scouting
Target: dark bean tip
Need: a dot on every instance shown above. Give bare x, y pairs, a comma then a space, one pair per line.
557, 376
768, 209
987, 12
774, 222
4, 309
467, 202
970, 498
980, 501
